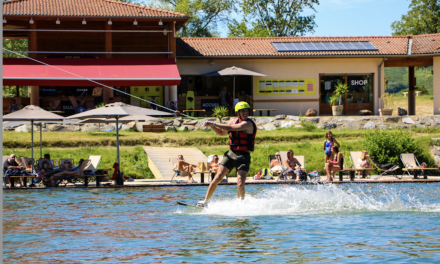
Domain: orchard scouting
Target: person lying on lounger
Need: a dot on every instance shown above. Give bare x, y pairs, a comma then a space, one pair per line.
182, 165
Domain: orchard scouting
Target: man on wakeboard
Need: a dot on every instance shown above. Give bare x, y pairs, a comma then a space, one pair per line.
242, 132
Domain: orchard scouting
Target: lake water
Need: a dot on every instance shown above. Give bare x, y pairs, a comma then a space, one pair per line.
358, 223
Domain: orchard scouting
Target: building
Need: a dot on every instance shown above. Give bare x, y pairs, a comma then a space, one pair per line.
135, 50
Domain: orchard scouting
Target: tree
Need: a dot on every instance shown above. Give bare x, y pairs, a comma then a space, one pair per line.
422, 18
205, 15
274, 18
14, 45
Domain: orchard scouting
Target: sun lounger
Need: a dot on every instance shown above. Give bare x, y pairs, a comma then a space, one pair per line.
301, 159
354, 158
178, 173
25, 176
92, 169
73, 174
386, 169
412, 165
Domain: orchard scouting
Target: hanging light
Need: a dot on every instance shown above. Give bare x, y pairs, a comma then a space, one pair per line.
160, 23
58, 21
4, 20
84, 22
31, 21
135, 23
110, 22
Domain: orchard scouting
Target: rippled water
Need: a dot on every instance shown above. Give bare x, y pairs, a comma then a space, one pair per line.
314, 223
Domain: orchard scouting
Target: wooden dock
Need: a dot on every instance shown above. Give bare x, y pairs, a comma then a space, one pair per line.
159, 159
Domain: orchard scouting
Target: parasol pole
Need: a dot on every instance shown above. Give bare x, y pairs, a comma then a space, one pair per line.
119, 179
32, 136
41, 140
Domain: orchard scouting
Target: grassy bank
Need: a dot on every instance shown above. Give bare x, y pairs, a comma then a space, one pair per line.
134, 160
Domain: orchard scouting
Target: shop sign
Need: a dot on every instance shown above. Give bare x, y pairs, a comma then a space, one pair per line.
359, 82
209, 104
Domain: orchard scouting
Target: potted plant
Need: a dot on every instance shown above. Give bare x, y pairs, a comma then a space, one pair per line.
387, 99
341, 89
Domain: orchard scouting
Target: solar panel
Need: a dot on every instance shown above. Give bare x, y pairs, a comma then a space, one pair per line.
324, 46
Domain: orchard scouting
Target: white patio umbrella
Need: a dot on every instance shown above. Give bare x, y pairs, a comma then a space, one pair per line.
234, 71
117, 111
33, 113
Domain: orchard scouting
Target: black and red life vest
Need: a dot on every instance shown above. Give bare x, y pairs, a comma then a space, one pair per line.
240, 140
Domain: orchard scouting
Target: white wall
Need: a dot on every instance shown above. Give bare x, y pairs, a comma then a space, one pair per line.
289, 68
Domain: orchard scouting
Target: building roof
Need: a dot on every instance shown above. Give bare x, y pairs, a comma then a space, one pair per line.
84, 8
262, 47
426, 44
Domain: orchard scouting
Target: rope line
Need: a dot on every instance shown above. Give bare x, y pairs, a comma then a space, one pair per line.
100, 84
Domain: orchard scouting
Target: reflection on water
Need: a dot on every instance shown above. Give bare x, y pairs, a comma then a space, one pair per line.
315, 223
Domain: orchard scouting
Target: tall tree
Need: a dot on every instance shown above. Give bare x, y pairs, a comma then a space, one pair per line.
274, 18
205, 15
422, 18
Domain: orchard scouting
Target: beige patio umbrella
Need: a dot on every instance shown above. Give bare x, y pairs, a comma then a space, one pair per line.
234, 71
33, 113
117, 111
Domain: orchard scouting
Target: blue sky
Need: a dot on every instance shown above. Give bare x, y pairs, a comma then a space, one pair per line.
358, 17
355, 17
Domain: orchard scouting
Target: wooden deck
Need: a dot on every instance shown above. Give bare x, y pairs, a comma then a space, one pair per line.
159, 164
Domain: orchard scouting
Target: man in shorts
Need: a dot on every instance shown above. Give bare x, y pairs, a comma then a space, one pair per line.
242, 132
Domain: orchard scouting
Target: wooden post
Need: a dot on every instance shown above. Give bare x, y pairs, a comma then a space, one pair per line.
108, 40
411, 92
34, 91
172, 40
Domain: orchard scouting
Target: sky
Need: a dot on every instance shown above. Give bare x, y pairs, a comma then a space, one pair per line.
355, 17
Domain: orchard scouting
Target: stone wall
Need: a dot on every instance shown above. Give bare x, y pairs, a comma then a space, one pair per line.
263, 123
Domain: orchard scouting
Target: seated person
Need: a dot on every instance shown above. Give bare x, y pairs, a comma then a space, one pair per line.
82, 107
214, 164
45, 172
14, 106
182, 165
11, 167
172, 106
47, 158
364, 162
290, 163
66, 172
275, 164
335, 165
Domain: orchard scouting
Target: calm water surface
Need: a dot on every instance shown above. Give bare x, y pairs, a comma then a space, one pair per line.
306, 224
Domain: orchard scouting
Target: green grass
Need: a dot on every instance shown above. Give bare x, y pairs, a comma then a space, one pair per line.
134, 160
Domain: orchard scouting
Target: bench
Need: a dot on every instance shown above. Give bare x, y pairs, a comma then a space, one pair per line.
261, 111
12, 177
194, 111
153, 128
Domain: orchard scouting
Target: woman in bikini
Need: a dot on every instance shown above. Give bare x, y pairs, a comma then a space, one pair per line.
290, 164
329, 142
335, 165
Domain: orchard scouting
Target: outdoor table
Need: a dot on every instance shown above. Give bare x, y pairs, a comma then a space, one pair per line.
261, 111
202, 175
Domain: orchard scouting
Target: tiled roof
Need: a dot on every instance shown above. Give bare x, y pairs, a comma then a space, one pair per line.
426, 44
262, 47
83, 8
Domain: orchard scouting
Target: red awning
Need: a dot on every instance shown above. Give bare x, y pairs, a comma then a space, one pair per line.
111, 72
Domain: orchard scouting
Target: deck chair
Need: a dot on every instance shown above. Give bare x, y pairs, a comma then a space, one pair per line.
412, 165
301, 159
386, 169
354, 158
177, 172
73, 175
62, 167
94, 163
20, 161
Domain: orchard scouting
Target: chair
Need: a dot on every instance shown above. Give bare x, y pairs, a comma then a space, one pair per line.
301, 159
354, 158
386, 169
72, 174
412, 165
178, 173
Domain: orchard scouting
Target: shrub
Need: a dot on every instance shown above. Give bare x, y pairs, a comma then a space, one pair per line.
386, 146
308, 126
220, 112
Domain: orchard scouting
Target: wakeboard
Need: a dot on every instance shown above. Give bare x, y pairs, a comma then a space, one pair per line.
189, 205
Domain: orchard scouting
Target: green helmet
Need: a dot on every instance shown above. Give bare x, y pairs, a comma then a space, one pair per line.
241, 105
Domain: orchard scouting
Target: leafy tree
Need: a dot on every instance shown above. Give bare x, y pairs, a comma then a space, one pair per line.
274, 18
422, 18
14, 45
205, 15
